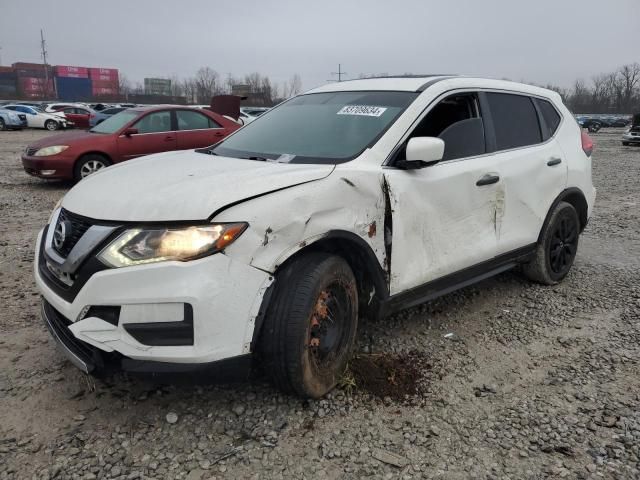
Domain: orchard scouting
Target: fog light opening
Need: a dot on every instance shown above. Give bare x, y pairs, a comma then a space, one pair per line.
47, 172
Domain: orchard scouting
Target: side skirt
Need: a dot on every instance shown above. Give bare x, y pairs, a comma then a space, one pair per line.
457, 280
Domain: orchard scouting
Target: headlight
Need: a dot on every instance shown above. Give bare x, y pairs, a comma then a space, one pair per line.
138, 245
46, 151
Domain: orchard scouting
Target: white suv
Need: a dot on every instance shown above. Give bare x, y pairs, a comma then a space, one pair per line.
355, 199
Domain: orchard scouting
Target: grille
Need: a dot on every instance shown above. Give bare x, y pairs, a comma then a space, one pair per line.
31, 151
76, 228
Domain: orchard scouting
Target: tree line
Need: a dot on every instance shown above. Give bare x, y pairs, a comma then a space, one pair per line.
207, 82
616, 92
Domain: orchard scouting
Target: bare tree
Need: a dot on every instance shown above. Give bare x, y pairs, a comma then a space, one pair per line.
207, 84
124, 86
292, 87
630, 78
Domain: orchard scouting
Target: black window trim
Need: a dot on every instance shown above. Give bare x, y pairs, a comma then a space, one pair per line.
485, 113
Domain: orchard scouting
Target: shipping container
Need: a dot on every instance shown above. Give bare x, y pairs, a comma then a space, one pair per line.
35, 85
7, 70
69, 71
73, 89
8, 90
102, 91
30, 66
104, 84
99, 73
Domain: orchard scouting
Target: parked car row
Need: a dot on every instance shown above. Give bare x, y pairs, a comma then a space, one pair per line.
127, 134
38, 118
595, 123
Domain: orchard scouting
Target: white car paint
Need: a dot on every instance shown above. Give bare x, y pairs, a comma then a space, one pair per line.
37, 118
441, 222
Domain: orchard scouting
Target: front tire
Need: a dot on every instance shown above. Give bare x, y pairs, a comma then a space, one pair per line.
3, 127
51, 125
310, 325
88, 165
557, 247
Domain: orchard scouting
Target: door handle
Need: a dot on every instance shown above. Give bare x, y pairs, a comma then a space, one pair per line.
218, 134
488, 179
168, 138
554, 161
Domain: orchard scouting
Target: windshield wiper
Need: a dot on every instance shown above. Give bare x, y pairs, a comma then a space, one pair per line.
208, 151
253, 157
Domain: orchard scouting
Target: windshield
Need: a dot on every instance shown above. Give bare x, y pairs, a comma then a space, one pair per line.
330, 127
114, 123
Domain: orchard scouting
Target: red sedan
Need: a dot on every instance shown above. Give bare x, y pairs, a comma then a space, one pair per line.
128, 134
79, 116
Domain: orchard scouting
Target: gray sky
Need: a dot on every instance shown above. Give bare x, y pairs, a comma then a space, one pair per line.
538, 40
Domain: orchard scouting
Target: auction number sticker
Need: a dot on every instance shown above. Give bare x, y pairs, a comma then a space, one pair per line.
364, 110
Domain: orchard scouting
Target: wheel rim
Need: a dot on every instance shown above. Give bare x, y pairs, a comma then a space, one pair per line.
92, 166
329, 325
562, 247
51, 125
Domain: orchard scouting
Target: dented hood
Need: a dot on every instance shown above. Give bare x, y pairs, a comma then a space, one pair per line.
178, 186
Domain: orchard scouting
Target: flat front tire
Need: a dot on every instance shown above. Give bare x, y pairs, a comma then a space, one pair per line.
310, 325
557, 247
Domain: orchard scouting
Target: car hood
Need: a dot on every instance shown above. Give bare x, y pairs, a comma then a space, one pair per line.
179, 186
65, 138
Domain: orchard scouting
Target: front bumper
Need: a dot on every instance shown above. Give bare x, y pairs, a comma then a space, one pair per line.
41, 167
224, 296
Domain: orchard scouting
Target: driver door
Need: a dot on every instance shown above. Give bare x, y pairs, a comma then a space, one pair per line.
155, 134
443, 216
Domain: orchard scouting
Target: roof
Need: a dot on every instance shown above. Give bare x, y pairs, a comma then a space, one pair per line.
408, 83
413, 83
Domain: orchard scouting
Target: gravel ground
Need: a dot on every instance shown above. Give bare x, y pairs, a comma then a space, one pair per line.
535, 382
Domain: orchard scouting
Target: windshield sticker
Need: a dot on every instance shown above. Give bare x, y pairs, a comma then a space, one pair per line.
284, 158
363, 110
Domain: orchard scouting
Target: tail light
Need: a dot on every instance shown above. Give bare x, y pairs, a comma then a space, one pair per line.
587, 144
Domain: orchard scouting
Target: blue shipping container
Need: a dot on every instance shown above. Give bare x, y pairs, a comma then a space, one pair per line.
73, 89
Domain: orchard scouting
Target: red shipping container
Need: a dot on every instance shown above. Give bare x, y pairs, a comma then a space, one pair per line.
29, 66
103, 74
69, 71
35, 85
7, 70
104, 84
104, 91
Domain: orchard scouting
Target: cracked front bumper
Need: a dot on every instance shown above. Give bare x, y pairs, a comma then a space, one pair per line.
224, 296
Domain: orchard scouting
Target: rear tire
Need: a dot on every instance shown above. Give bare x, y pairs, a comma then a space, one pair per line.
310, 325
557, 247
88, 165
51, 125
3, 127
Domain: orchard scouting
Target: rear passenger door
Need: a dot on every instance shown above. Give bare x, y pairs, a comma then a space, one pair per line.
196, 130
533, 170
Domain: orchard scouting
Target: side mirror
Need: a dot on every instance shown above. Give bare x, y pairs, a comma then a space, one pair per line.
422, 152
130, 131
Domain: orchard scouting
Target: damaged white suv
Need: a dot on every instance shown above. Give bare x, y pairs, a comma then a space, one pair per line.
355, 199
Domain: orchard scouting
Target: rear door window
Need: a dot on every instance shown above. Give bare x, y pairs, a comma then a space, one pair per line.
189, 120
515, 120
551, 117
154, 122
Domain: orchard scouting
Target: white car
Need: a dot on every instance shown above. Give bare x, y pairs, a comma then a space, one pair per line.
37, 118
249, 114
356, 199
55, 107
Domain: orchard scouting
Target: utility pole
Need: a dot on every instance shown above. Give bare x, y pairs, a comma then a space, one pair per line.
0, 56
339, 73
43, 52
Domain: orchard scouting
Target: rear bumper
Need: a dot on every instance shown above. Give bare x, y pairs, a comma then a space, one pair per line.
40, 167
